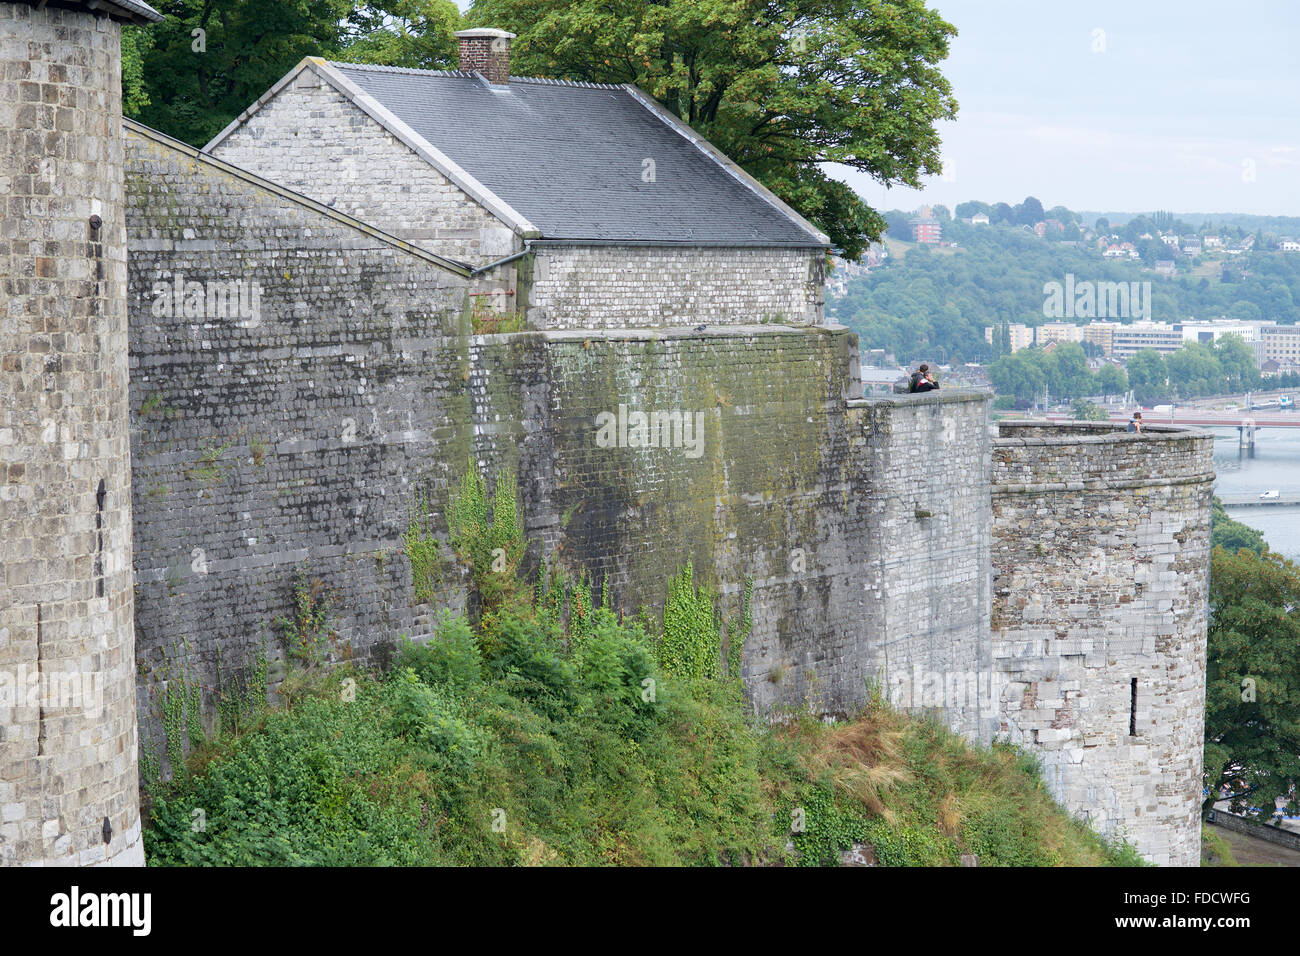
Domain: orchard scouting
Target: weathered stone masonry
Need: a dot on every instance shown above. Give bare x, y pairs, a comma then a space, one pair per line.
67, 757
1101, 561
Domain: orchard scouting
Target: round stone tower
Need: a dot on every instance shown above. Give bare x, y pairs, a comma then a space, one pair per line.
1101, 549
68, 776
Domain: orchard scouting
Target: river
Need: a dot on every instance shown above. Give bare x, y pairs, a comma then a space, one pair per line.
1276, 464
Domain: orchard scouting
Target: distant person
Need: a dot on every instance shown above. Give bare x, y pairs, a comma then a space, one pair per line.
922, 380
1135, 423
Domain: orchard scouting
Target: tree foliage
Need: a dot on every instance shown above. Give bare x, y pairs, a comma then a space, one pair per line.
1252, 700
780, 87
1232, 535
208, 61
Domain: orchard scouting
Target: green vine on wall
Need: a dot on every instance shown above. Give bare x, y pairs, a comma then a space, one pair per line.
424, 552
487, 534
695, 639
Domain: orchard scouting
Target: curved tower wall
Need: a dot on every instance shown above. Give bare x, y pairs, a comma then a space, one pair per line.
67, 678
1101, 545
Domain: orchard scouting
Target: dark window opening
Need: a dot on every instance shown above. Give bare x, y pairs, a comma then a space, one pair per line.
1133, 708
99, 531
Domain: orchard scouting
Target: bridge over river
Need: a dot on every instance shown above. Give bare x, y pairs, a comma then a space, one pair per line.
1246, 423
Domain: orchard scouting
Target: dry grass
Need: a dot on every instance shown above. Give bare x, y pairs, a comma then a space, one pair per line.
862, 759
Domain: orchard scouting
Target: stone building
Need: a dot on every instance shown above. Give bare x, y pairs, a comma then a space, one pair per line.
306, 388
67, 670
578, 205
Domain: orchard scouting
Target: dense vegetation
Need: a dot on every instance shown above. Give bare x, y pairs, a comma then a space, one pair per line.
547, 730
782, 88
1252, 696
927, 303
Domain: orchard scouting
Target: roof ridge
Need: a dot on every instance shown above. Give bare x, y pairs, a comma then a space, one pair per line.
465, 74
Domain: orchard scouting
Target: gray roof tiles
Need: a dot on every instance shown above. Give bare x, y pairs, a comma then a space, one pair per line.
570, 158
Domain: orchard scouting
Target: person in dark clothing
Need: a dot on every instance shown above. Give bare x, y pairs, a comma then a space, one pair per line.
1135, 423
922, 380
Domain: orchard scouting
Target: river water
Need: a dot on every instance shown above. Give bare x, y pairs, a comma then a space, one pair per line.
1276, 464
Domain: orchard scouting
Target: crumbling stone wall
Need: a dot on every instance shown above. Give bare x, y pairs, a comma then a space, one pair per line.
1101, 575
67, 706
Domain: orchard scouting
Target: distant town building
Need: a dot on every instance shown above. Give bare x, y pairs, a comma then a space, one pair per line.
1280, 343
1050, 333
1192, 247
1165, 267
1100, 334
1022, 336
1289, 245
1170, 240
925, 229
1212, 242
979, 219
1128, 340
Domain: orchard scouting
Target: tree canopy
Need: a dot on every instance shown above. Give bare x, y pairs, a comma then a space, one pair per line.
780, 87
1252, 698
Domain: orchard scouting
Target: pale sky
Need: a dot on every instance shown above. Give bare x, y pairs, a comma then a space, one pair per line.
1118, 105
1189, 106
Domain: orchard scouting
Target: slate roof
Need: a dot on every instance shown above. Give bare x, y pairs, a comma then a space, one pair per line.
569, 157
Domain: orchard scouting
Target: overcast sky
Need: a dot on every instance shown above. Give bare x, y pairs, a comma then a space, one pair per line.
1190, 106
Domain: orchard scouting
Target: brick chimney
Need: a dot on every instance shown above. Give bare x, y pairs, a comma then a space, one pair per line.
486, 51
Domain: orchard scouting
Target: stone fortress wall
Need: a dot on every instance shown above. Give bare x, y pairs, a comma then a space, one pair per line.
308, 437
1100, 580
67, 754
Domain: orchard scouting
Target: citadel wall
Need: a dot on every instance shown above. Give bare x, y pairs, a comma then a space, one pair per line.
1101, 572
244, 473
67, 674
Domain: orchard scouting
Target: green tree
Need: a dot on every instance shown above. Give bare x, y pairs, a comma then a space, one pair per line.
1195, 370
783, 88
1252, 693
1237, 361
1230, 534
417, 34
1068, 372
1111, 380
1085, 411
136, 42
1018, 375
209, 61
1147, 376
1029, 212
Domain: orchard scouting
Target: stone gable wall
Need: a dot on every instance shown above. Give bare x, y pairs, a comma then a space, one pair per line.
314, 140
